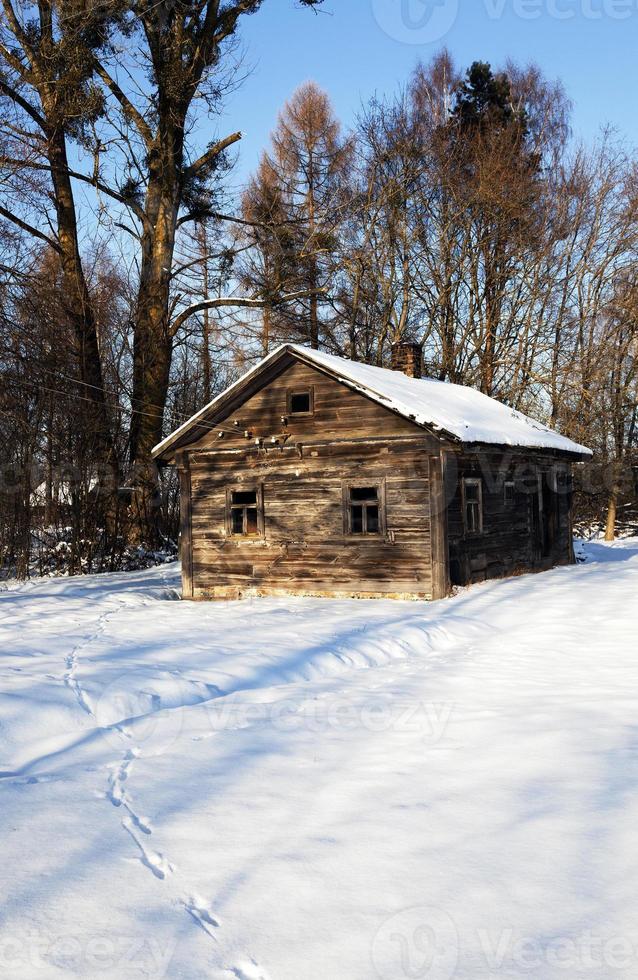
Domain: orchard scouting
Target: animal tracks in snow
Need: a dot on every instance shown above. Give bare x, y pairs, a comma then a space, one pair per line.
153, 860
248, 971
140, 830
116, 792
72, 682
132, 822
196, 907
72, 661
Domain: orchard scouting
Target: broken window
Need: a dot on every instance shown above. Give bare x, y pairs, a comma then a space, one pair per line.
472, 505
364, 510
245, 512
300, 402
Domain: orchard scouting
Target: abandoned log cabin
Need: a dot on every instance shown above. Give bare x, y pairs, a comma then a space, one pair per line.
317, 475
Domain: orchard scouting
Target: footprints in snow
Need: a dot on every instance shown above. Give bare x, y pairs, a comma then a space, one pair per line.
153, 860
72, 682
136, 826
71, 661
248, 971
157, 863
132, 823
116, 792
139, 829
196, 908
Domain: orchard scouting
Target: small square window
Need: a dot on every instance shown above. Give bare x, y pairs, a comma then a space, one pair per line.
301, 402
363, 510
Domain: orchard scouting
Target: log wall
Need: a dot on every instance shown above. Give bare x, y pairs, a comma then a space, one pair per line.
305, 548
508, 543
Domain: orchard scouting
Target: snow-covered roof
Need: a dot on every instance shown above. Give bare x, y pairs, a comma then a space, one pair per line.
453, 410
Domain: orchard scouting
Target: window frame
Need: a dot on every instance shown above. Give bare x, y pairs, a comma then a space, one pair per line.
258, 489
474, 481
509, 485
291, 393
347, 487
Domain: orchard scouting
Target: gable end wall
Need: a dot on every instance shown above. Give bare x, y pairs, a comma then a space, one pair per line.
348, 438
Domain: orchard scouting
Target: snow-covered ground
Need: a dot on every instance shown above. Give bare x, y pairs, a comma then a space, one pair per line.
315, 790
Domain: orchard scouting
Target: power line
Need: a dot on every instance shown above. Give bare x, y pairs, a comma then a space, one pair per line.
109, 391
173, 415
178, 418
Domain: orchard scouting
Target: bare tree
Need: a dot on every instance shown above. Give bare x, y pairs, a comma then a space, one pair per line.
47, 97
296, 201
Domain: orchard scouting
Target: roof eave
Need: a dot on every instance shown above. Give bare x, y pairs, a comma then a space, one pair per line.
578, 453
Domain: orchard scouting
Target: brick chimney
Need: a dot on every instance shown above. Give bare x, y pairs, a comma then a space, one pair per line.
407, 356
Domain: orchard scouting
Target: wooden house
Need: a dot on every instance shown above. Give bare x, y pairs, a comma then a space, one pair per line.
316, 475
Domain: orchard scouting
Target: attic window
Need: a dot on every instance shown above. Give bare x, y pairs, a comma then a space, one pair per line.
508, 493
300, 402
245, 512
364, 510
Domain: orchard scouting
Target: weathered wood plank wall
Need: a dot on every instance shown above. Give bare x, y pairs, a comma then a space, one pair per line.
506, 545
339, 413
305, 547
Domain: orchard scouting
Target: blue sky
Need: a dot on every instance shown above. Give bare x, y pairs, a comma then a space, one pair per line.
356, 47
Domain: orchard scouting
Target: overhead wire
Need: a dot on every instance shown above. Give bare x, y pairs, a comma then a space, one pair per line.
178, 417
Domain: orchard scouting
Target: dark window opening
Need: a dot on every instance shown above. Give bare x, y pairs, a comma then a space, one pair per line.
508, 493
244, 497
244, 507
363, 510
300, 403
237, 520
472, 506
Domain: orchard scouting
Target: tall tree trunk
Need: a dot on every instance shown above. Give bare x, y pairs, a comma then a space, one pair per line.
314, 313
206, 364
78, 309
152, 348
265, 330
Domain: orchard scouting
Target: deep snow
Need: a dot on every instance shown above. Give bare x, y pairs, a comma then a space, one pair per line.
313, 790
